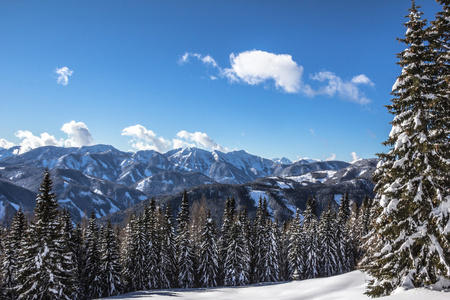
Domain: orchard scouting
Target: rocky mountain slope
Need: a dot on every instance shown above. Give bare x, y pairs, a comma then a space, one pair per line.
105, 180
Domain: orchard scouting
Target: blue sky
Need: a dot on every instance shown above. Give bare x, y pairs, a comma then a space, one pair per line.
275, 78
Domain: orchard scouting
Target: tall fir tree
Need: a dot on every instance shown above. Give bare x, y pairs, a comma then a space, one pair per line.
135, 261
259, 241
328, 244
235, 264
310, 241
92, 283
153, 245
110, 262
168, 267
342, 235
296, 248
409, 181
41, 272
209, 255
185, 251
225, 236
11, 250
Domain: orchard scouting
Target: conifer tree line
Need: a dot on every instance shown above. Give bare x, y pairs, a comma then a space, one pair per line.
51, 258
409, 245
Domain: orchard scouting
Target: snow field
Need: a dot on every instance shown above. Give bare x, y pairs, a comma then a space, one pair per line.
349, 286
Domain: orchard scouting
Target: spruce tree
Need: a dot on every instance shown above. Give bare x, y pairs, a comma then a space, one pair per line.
149, 219
168, 261
410, 179
209, 257
310, 241
110, 263
92, 270
135, 260
224, 240
41, 272
185, 251
296, 248
11, 250
236, 263
259, 240
271, 270
328, 244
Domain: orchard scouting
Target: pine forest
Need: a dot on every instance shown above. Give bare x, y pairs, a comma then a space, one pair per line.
401, 238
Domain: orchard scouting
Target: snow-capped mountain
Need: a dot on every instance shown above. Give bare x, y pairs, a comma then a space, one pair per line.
103, 179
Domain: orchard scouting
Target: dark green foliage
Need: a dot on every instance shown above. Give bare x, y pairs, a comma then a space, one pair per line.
185, 251
92, 272
110, 263
209, 256
168, 261
412, 180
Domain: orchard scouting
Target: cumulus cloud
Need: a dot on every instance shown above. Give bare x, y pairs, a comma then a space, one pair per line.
332, 157
31, 141
206, 59
145, 139
79, 134
198, 139
354, 156
257, 67
347, 90
64, 74
5, 144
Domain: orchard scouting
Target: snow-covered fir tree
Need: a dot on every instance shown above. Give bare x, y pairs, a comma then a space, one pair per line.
185, 251
150, 228
328, 244
296, 248
209, 255
92, 270
259, 241
246, 229
345, 263
168, 260
271, 270
110, 262
412, 178
135, 261
224, 239
41, 271
236, 260
11, 249
284, 251
310, 241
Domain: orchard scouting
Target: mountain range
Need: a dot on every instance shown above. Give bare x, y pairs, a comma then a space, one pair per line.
108, 181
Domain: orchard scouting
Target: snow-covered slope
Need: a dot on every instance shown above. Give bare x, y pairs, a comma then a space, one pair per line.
104, 179
349, 286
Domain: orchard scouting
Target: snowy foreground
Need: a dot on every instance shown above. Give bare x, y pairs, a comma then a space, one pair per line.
350, 286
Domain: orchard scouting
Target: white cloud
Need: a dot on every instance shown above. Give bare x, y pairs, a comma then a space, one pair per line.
362, 79
332, 157
79, 134
347, 90
145, 139
5, 144
64, 74
30, 141
354, 156
206, 59
255, 67
199, 139
312, 132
